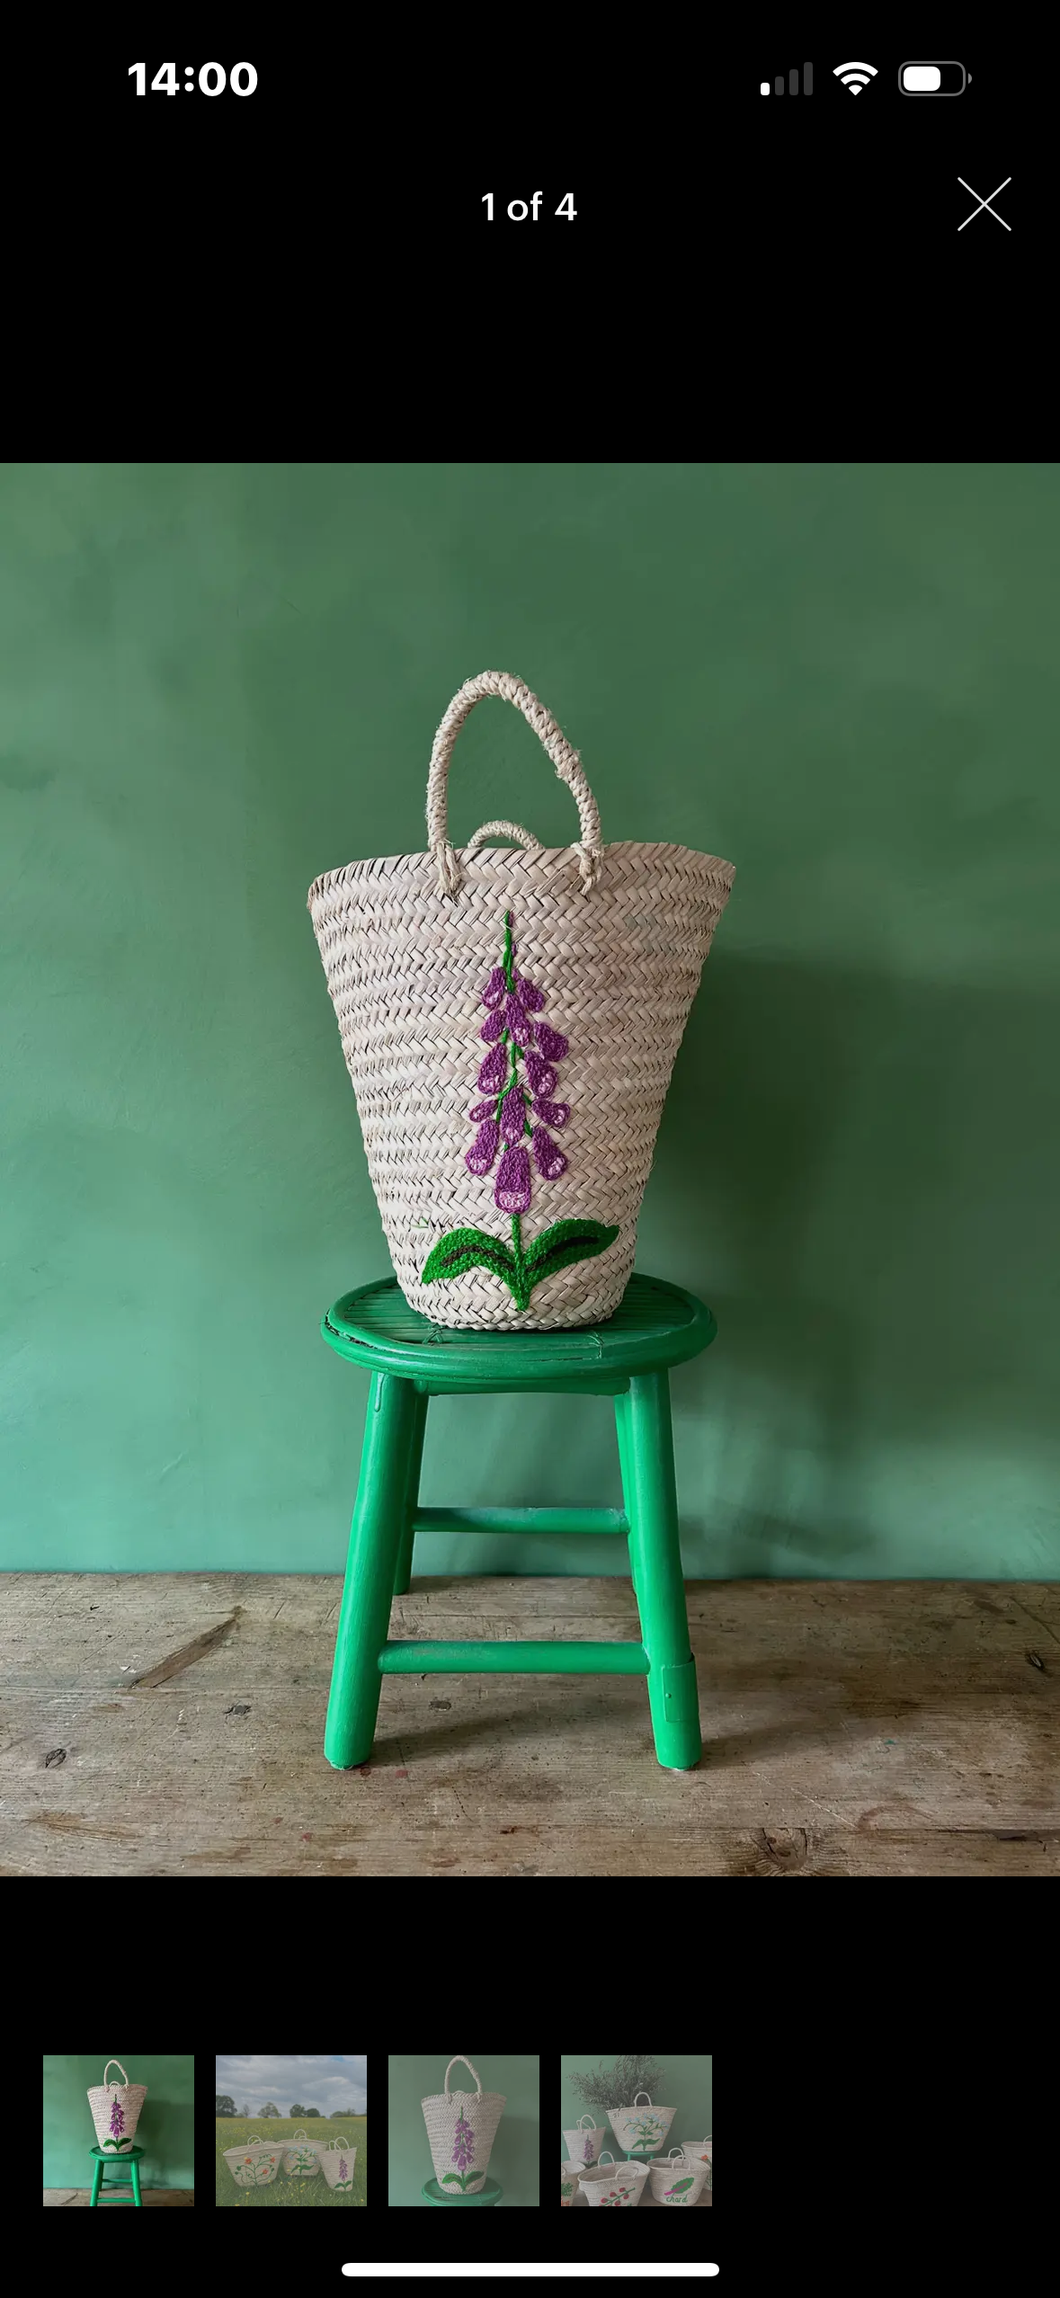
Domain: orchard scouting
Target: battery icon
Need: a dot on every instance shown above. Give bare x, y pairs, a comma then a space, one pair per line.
933, 79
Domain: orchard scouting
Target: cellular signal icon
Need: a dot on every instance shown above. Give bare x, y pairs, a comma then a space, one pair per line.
793, 82
855, 76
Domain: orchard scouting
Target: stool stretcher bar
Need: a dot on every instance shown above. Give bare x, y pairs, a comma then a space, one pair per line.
555, 1520
408, 1658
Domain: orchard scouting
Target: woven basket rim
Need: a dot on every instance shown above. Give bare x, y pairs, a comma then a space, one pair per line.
486, 864
595, 2170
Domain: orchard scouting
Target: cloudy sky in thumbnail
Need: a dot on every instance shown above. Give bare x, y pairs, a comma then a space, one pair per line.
327, 2083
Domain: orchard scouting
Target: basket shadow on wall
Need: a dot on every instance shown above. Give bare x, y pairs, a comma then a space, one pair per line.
853, 1170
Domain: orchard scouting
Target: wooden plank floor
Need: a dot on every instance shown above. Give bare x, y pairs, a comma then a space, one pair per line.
56, 2196
851, 1729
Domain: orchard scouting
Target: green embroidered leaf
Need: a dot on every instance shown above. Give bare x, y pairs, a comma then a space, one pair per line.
564, 1242
682, 2186
451, 2178
464, 1249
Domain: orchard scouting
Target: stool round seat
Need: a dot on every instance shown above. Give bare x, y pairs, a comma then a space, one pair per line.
655, 1324
489, 2193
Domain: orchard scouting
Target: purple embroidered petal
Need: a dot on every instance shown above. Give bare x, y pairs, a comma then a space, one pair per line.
549, 1159
550, 1043
528, 993
492, 1028
480, 1156
495, 987
482, 1109
515, 1019
539, 1077
513, 1114
493, 1072
512, 1192
553, 1113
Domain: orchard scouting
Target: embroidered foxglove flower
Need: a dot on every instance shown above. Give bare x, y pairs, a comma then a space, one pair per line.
512, 1192
480, 1156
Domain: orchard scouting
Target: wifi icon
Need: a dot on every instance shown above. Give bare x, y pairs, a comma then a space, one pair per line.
855, 76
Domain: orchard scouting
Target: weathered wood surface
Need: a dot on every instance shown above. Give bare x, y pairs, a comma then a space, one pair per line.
851, 1729
149, 2195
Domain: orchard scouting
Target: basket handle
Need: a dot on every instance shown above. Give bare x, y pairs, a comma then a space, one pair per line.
115, 2063
565, 760
606, 2156
674, 2150
641, 2095
460, 2061
510, 830
587, 2118
297, 2134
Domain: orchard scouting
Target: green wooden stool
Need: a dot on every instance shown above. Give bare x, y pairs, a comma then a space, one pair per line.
489, 2193
129, 2154
411, 1360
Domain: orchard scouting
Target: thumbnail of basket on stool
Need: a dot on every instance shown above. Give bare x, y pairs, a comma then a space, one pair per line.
461, 2131
116, 2109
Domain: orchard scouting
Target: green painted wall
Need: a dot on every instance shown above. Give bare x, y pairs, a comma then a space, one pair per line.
165, 2129
687, 2087
217, 680
515, 2157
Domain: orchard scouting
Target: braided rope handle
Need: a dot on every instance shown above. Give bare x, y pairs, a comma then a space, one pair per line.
124, 2076
641, 2095
460, 2061
510, 830
565, 760
587, 2118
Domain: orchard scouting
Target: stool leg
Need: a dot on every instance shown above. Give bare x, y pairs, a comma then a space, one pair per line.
135, 2169
97, 2173
403, 1573
651, 1505
378, 1523
625, 1471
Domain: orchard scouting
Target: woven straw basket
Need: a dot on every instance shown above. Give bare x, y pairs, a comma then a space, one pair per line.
568, 2185
680, 2182
461, 2131
255, 2164
623, 2183
583, 2145
491, 1003
337, 2161
116, 2109
641, 2130
701, 2150
301, 2158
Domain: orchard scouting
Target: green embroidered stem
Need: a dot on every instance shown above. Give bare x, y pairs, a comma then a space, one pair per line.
506, 960
520, 1288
